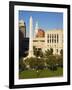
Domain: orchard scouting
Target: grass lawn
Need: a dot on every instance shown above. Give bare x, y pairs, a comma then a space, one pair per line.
40, 74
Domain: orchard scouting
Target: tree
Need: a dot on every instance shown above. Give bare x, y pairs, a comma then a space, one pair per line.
40, 63
48, 52
22, 65
51, 51
41, 53
37, 53
35, 63
60, 61
51, 62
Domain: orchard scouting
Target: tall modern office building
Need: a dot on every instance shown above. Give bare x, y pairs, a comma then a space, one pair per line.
23, 40
22, 27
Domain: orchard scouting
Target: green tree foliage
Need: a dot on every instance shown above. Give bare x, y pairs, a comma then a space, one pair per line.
48, 52
41, 54
36, 63
37, 53
51, 51
60, 61
43, 60
51, 62
22, 65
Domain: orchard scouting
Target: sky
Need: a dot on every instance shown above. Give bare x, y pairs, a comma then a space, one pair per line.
46, 20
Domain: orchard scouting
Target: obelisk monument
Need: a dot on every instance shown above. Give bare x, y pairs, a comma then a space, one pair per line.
30, 37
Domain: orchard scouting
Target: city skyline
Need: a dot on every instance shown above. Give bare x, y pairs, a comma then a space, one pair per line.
46, 20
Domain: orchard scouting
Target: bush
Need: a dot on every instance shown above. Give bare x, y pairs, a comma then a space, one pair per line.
51, 62
60, 61
22, 65
35, 63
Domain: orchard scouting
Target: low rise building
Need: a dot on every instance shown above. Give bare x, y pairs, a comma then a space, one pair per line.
53, 39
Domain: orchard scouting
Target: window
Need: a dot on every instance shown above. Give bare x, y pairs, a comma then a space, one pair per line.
52, 40
48, 41
52, 35
48, 35
57, 38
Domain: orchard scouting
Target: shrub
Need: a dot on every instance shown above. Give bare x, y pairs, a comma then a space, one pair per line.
22, 65
51, 62
35, 63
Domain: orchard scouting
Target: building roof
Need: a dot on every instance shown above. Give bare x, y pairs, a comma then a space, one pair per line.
54, 31
21, 23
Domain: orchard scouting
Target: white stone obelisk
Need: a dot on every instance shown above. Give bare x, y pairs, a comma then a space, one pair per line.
30, 38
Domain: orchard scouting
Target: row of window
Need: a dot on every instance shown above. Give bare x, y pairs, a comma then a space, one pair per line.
52, 41
52, 35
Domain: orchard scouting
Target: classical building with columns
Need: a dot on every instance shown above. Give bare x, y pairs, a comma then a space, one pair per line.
53, 39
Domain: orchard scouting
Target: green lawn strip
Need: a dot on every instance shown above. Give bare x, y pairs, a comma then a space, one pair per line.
40, 74
28, 74
49, 73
